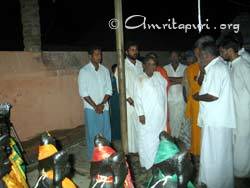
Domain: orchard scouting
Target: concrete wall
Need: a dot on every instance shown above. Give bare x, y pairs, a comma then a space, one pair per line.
31, 25
42, 88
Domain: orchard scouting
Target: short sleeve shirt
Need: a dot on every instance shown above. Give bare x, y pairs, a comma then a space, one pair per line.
221, 112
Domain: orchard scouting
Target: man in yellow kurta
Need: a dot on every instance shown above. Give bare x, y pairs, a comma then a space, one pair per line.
192, 77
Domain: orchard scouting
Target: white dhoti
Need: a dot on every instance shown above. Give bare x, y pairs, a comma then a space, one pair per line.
242, 156
176, 101
240, 70
216, 162
176, 116
131, 123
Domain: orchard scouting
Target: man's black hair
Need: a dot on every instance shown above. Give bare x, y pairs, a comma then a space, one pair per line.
211, 48
129, 44
93, 48
230, 35
239, 38
230, 43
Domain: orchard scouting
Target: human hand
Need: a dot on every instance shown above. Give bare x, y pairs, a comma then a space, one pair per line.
195, 96
99, 108
201, 76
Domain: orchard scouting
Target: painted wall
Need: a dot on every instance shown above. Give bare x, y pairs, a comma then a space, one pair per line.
42, 88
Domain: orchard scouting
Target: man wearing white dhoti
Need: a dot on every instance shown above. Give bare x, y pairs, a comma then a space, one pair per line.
176, 101
150, 99
239, 72
133, 68
217, 120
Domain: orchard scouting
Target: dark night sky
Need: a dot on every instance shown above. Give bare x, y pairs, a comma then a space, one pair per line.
76, 24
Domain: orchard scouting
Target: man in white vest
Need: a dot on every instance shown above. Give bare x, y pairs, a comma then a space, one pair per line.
176, 101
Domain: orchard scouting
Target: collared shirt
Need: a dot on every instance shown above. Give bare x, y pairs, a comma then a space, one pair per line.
132, 71
223, 61
175, 91
221, 112
95, 84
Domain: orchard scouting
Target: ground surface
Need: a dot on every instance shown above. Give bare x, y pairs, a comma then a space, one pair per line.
73, 142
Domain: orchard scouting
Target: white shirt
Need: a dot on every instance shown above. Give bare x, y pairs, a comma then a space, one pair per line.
223, 61
175, 91
244, 54
221, 112
132, 72
149, 92
95, 84
240, 76
116, 77
151, 101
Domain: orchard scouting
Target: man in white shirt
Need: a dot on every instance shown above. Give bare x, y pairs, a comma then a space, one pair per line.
133, 68
217, 120
240, 76
176, 101
237, 37
244, 54
95, 90
150, 101
242, 51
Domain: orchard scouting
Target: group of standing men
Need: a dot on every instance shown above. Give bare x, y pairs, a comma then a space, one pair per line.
217, 90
